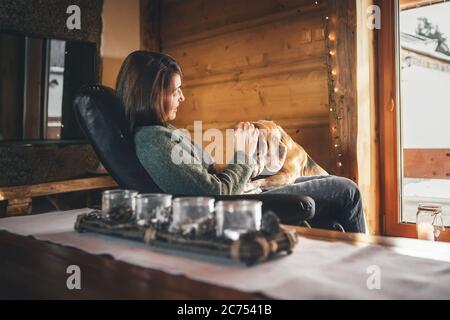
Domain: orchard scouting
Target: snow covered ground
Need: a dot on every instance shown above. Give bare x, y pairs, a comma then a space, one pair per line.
417, 191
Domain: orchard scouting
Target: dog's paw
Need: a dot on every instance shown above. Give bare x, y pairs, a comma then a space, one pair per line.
250, 187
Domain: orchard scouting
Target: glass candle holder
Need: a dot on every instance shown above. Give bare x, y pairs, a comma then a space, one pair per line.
113, 199
429, 221
234, 218
189, 211
150, 206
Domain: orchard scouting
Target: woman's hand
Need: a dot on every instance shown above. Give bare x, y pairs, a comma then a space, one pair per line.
246, 138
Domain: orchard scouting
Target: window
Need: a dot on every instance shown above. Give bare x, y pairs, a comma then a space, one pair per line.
414, 82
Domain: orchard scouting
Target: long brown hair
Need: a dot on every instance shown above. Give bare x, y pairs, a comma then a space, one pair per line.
142, 85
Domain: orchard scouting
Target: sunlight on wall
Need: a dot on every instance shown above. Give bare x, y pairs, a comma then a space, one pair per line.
121, 35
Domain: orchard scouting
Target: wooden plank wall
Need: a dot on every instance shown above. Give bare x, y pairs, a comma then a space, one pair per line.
251, 60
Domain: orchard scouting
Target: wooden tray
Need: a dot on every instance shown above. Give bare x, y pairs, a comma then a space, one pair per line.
251, 248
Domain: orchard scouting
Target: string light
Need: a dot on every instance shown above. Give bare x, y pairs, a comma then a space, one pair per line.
333, 85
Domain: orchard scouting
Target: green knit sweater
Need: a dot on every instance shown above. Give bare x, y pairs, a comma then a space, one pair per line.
180, 166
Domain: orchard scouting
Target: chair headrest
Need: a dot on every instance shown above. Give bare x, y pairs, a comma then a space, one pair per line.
102, 119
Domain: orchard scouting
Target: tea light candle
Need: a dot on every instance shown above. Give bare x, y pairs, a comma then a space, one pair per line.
425, 231
190, 210
150, 206
112, 199
234, 218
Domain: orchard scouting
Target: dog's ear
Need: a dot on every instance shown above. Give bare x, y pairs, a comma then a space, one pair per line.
283, 152
285, 138
276, 157
281, 129
259, 124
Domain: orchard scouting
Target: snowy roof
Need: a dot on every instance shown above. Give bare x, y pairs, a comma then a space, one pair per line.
422, 45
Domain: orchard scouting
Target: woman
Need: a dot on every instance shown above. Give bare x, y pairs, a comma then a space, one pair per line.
149, 86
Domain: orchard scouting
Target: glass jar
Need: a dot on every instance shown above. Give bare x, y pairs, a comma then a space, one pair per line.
234, 218
149, 206
190, 211
113, 199
429, 221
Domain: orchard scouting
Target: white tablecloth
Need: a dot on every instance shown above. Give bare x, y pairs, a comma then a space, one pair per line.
315, 270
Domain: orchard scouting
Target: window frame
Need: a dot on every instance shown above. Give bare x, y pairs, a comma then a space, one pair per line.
388, 101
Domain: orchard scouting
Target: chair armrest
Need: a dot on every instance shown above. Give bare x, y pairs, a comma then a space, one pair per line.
292, 209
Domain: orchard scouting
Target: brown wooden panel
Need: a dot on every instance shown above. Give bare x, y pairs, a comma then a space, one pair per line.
149, 14
249, 48
203, 16
299, 95
426, 163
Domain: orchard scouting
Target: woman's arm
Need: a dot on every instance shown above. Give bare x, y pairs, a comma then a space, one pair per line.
155, 149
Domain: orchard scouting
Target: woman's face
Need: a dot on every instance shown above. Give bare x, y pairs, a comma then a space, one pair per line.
174, 98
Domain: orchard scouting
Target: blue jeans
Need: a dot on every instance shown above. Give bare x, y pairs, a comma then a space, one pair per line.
337, 199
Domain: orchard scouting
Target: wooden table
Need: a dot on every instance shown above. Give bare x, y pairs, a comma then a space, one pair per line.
36, 269
32, 269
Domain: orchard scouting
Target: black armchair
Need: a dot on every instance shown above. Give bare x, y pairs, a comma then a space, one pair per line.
100, 116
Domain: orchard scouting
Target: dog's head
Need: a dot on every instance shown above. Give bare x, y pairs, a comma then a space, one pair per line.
272, 149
